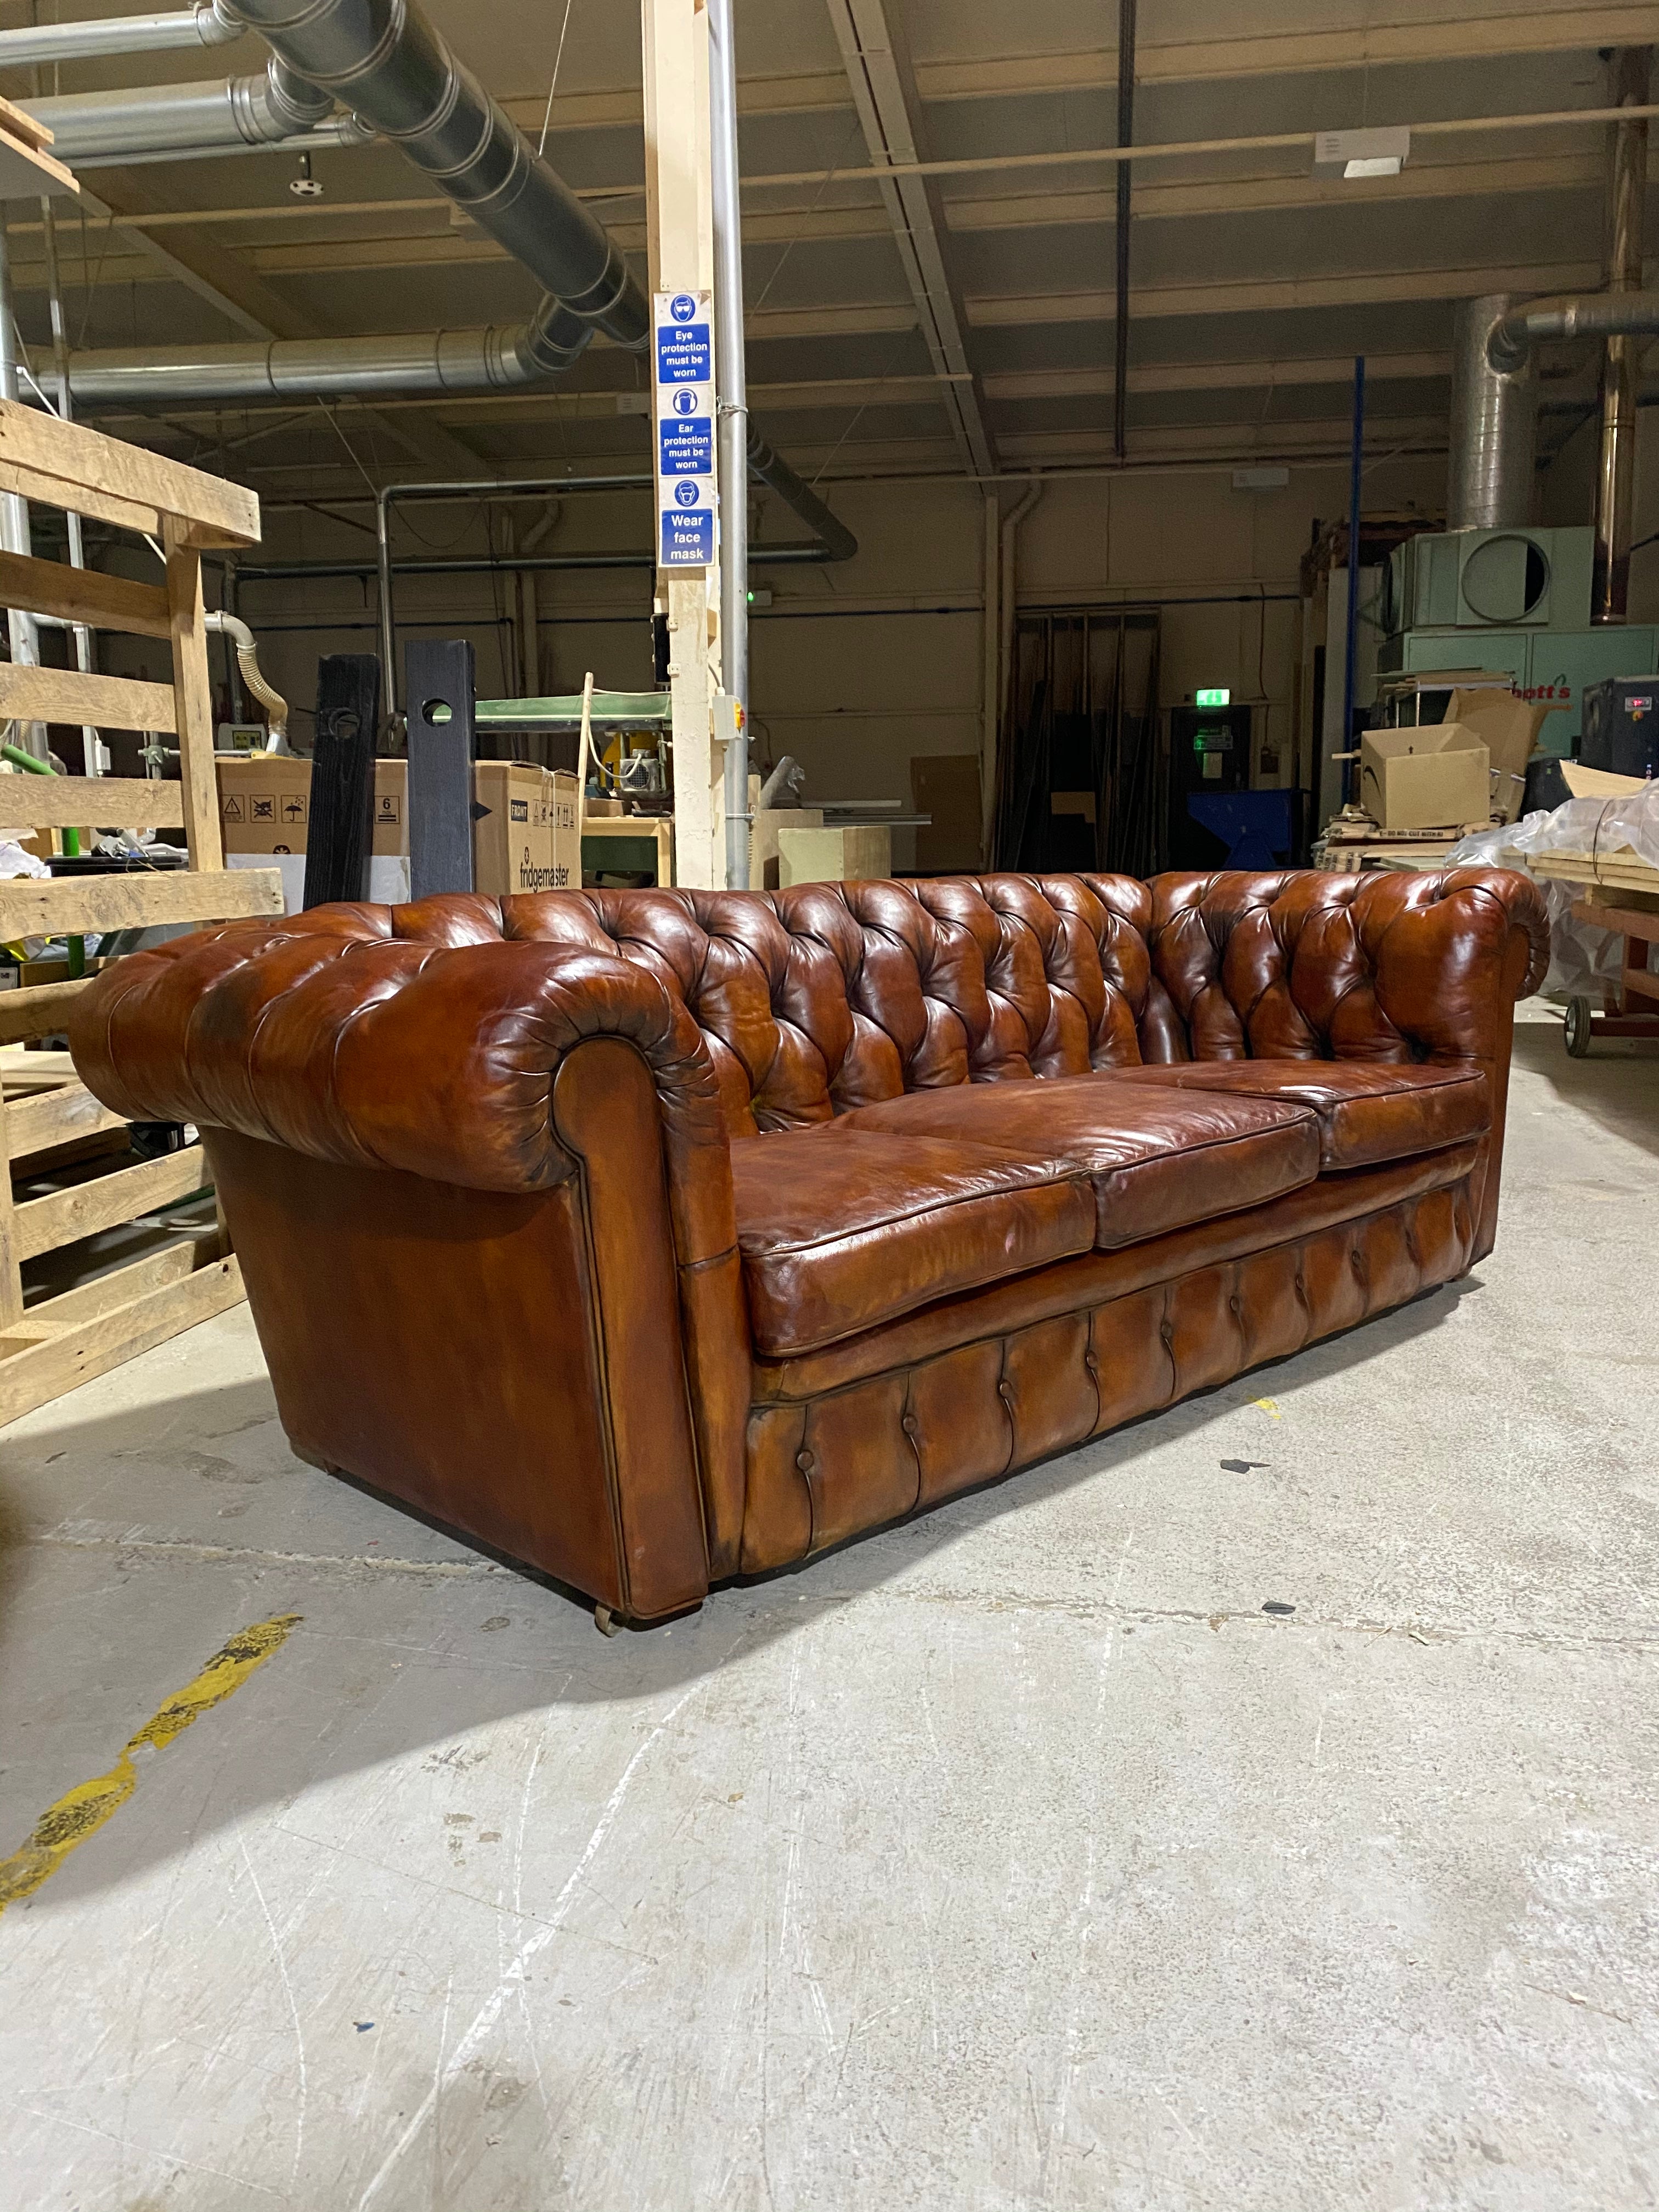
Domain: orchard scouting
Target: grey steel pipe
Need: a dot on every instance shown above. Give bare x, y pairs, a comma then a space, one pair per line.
149, 119
495, 359
385, 62
339, 130
1600, 315
733, 425
839, 542
1493, 423
1621, 362
41, 44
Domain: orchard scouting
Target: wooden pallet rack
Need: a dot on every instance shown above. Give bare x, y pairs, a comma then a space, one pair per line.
48, 1115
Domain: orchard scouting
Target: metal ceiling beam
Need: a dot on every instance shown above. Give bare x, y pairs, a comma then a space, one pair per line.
884, 96
1429, 40
459, 247
833, 392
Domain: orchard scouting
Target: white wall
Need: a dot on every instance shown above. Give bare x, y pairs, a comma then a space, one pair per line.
859, 668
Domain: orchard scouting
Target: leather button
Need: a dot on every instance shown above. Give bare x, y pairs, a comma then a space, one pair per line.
908, 1425
1092, 1363
1004, 1393
1237, 1304
804, 1461
1166, 1330
1359, 1260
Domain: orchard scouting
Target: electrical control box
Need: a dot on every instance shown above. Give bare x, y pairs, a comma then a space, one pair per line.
1621, 725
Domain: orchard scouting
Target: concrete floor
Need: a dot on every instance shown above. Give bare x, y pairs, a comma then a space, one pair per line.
1016, 1858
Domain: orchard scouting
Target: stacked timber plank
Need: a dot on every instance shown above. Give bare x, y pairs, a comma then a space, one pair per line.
26, 170
48, 1115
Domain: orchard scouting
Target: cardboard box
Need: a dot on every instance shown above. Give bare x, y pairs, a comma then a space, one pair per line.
525, 838
1435, 777
1510, 728
856, 853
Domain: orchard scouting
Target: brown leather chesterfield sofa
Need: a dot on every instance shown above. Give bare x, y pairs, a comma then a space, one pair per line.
658, 1236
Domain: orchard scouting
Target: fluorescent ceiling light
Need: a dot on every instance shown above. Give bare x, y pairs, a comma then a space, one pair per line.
1363, 153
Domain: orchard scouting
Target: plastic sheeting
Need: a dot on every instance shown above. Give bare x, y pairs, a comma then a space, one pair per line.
1582, 957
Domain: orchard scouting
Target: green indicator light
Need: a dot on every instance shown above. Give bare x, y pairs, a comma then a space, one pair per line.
1213, 698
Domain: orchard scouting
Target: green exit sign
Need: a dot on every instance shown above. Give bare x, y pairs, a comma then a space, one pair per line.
1213, 698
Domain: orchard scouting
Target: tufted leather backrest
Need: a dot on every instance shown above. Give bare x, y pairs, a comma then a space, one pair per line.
828, 996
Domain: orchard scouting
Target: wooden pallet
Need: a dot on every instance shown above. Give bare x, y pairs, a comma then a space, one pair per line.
47, 1115
1347, 850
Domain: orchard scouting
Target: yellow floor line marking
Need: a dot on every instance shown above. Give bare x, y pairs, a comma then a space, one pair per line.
1268, 1408
80, 1812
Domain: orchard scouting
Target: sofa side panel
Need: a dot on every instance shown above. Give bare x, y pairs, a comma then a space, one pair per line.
605, 1114
435, 1343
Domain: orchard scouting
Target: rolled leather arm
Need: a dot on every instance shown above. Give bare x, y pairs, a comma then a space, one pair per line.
334, 1039
1347, 967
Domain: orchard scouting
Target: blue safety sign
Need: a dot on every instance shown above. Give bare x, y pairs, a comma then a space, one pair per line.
687, 502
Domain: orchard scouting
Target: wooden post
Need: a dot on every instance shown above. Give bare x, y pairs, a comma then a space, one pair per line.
680, 250
192, 697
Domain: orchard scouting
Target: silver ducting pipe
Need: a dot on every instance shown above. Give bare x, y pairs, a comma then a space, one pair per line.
339, 130
1494, 400
423, 362
385, 62
165, 118
41, 44
1493, 425
1602, 315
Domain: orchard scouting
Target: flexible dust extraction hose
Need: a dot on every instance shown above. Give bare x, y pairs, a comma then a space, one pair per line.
248, 660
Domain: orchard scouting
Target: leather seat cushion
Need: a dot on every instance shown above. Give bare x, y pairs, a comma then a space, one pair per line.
1158, 1159
840, 1231
1369, 1111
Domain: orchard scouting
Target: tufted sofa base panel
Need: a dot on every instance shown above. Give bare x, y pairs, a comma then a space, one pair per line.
890, 1443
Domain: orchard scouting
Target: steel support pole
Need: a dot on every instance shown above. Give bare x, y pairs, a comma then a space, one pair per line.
78, 552
1351, 637
23, 634
680, 251
1621, 364
1126, 133
732, 419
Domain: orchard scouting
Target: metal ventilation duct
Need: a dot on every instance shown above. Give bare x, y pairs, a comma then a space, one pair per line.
385, 62
41, 44
151, 120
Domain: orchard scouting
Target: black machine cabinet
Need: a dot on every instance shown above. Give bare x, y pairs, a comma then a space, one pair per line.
1621, 725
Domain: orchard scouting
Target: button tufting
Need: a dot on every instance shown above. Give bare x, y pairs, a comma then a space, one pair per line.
908, 1425
1166, 1330
804, 1461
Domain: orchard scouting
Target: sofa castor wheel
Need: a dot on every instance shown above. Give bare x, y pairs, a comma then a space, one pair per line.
1576, 1028
606, 1621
